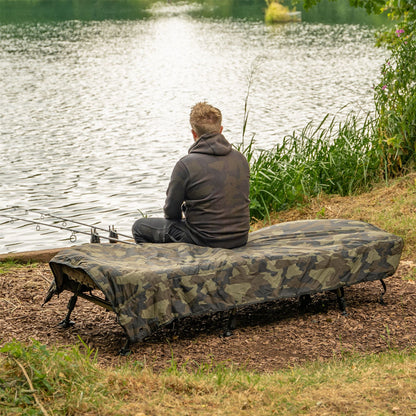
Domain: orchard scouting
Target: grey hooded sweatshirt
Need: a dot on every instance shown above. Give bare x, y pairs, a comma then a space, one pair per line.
211, 186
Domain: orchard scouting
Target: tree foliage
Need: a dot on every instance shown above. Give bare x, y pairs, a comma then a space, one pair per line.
402, 12
372, 6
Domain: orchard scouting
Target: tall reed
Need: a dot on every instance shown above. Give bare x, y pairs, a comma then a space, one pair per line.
395, 100
341, 158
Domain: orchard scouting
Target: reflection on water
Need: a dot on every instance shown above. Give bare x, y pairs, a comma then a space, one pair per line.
95, 111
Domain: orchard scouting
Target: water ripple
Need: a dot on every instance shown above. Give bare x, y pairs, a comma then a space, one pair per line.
95, 114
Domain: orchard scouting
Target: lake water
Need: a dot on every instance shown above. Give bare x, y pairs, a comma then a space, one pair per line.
95, 102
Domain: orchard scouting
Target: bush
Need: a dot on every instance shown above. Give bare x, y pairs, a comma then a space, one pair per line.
276, 12
395, 100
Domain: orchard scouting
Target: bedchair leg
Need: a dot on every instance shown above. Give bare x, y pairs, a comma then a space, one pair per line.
383, 292
305, 301
66, 323
125, 350
231, 324
341, 300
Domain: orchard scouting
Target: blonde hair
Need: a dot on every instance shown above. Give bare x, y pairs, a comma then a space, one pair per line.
205, 118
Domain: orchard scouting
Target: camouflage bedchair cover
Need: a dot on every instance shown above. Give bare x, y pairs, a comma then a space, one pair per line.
149, 285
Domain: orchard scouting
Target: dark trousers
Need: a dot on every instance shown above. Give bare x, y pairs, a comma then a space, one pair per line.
161, 230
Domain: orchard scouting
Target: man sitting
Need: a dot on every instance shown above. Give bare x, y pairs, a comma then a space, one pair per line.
209, 187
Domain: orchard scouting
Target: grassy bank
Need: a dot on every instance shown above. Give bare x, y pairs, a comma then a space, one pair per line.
67, 382
389, 205
36, 380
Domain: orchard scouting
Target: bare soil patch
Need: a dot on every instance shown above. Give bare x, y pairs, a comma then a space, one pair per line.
268, 337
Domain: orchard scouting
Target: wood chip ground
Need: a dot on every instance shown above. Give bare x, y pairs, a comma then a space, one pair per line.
268, 337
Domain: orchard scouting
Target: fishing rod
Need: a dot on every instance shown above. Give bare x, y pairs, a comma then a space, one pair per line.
95, 237
66, 220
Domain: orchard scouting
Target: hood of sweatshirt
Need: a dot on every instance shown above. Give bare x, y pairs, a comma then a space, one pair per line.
211, 144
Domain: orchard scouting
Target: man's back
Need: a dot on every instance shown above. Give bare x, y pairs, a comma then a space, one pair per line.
215, 182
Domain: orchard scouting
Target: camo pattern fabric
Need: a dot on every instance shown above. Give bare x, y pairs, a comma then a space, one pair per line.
149, 285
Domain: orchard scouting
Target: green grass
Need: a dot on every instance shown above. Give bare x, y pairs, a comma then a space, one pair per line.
6, 266
35, 380
33, 376
334, 158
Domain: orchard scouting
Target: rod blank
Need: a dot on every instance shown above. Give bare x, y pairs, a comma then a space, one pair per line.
113, 237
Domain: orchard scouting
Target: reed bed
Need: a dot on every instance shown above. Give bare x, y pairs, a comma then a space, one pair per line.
335, 158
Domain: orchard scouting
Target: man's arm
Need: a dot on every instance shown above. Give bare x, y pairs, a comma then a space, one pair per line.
175, 194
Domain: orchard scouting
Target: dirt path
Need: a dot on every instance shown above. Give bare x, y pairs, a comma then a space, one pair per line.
268, 337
